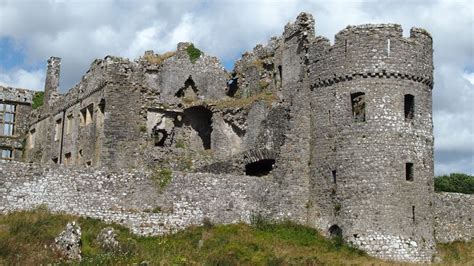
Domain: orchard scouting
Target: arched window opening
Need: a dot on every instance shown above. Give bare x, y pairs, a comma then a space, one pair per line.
259, 168
335, 231
358, 106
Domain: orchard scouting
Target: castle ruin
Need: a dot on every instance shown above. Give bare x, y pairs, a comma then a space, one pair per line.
335, 136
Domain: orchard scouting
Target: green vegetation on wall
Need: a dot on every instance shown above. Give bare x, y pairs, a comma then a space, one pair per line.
38, 99
455, 182
193, 53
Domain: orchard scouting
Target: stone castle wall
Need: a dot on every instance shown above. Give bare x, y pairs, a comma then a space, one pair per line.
453, 217
134, 198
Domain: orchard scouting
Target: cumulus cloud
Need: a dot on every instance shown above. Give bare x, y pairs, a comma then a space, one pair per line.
80, 31
23, 79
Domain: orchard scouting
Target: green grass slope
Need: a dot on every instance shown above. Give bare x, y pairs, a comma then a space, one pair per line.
25, 238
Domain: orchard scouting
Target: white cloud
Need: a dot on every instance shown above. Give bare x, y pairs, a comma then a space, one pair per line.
21, 78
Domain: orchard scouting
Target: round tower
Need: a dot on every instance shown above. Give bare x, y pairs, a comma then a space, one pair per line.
372, 140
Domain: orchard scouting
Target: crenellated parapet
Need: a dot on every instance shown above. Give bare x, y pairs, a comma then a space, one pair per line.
378, 50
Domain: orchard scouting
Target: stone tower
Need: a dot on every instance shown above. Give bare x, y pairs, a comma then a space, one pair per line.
51, 86
372, 140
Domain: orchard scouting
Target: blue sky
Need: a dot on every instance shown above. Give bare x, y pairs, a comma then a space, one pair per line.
80, 31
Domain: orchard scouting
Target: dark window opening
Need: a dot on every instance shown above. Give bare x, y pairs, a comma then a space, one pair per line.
232, 86
358, 106
409, 107
89, 163
413, 213
189, 90
280, 73
55, 160
409, 171
67, 158
334, 175
160, 136
259, 168
335, 231
200, 119
102, 106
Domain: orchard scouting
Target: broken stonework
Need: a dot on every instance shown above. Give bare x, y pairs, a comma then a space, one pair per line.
68, 243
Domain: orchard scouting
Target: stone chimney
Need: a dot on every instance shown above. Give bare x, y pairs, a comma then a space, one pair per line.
51, 86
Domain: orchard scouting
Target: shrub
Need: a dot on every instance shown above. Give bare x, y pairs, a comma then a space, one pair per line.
193, 53
38, 99
455, 182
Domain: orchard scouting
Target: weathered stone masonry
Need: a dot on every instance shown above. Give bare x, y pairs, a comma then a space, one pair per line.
335, 136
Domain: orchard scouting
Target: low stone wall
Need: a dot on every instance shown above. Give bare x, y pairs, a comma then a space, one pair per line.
134, 198
454, 216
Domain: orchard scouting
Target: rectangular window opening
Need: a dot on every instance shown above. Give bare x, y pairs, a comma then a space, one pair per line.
6, 153
334, 176
388, 47
57, 130
358, 106
7, 119
32, 138
69, 122
409, 171
409, 107
413, 213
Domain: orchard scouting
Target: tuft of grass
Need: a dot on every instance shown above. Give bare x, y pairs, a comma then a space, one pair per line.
162, 177
25, 239
38, 99
158, 59
193, 53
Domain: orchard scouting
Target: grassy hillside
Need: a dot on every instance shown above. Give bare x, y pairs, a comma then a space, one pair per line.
25, 237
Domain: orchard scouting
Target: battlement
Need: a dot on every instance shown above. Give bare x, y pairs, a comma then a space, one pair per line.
373, 50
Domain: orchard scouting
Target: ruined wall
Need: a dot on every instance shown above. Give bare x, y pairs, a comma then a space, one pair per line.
453, 217
135, 198
204, 79
359, 161
21, 99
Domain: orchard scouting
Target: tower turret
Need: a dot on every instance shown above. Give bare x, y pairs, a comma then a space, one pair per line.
372, 152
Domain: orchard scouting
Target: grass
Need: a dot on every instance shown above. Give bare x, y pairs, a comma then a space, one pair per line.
457, 253
162, 177
25, 237
158, 59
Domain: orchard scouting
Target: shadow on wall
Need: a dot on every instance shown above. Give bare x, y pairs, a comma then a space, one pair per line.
200, 119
